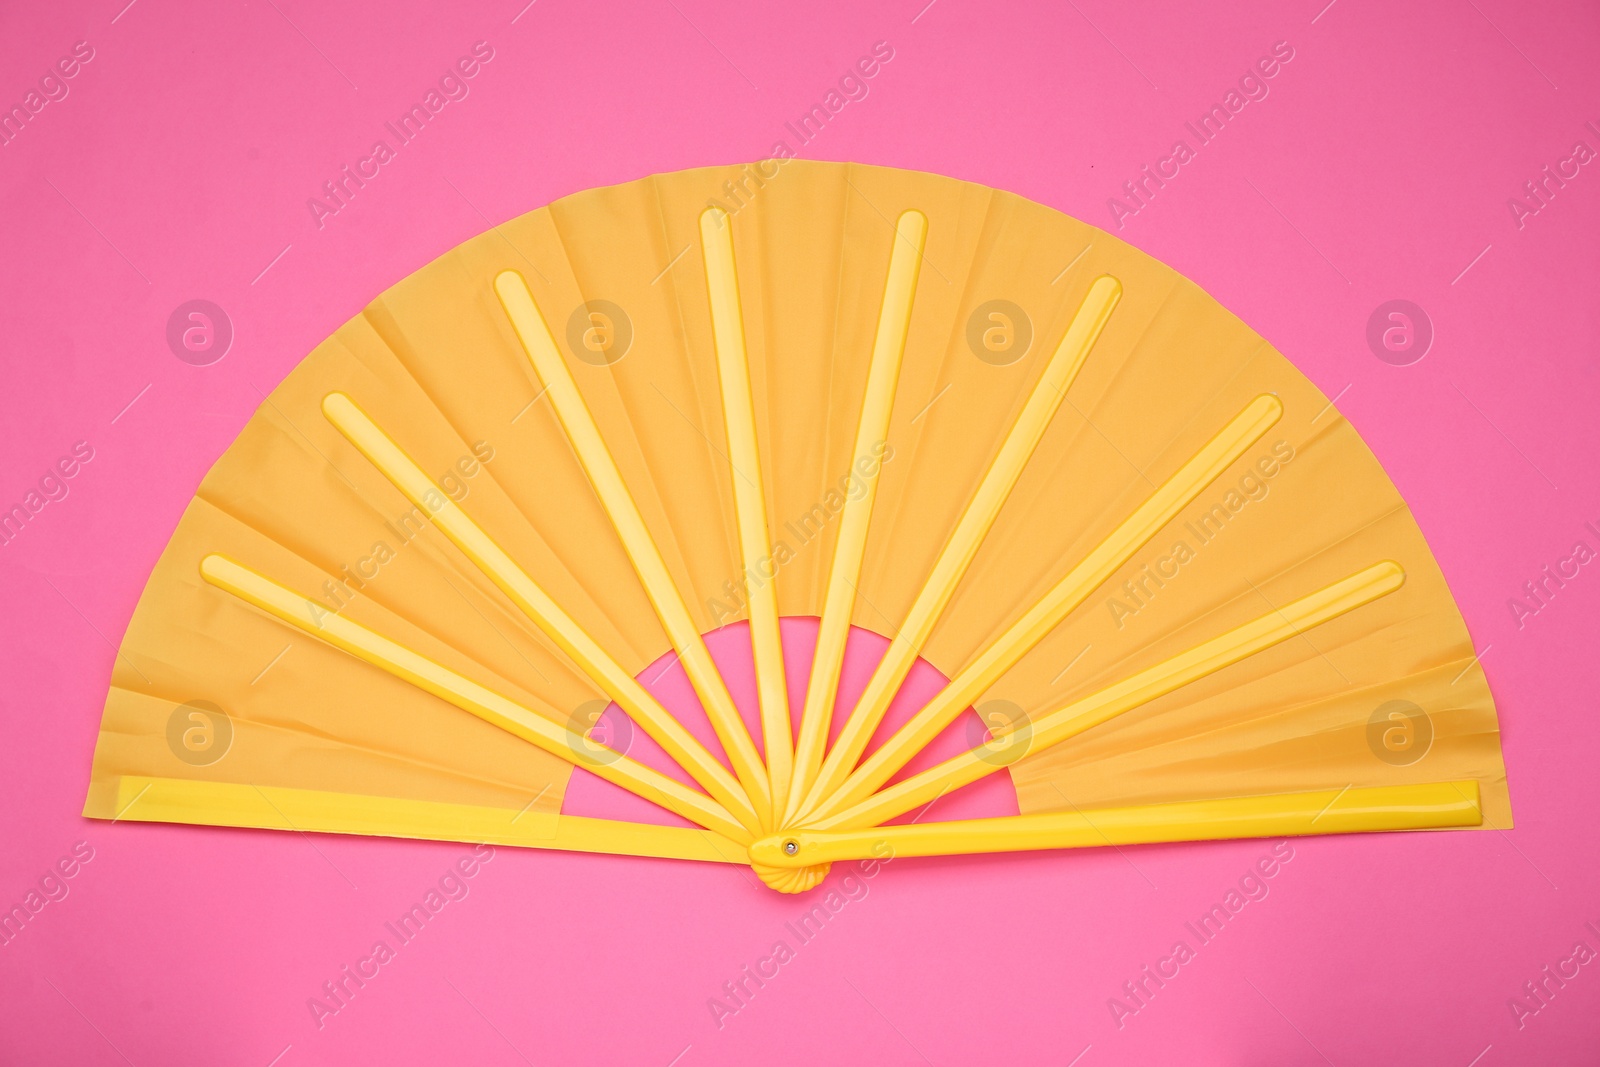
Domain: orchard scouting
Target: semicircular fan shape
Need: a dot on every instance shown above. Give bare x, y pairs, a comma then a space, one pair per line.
1181, 593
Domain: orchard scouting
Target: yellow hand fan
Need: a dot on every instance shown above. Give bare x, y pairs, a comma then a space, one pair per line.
1179, 589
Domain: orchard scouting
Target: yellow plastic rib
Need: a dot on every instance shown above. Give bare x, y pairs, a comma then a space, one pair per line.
749, 499
435, 678
601, 469
1147, 520
177, 800
883, 375
392, 461
974, 525
1278, 625
1429, 806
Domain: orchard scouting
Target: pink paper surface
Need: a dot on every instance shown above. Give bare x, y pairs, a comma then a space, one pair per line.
1380, 165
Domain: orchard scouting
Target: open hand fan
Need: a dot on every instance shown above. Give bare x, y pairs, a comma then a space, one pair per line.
1180, 591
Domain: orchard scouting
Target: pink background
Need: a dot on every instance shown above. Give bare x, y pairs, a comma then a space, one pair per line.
1378, 168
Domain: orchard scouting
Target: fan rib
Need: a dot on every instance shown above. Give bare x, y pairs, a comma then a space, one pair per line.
749, 499
492, 707
883, 375
1204, 659
394, 464
1175, 494
268, 807
1424, 806
974, 525
601, 470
